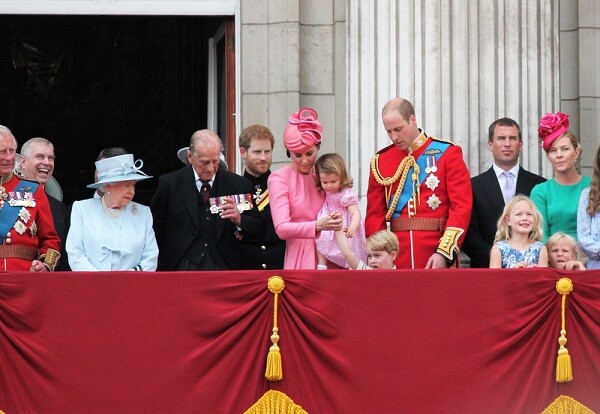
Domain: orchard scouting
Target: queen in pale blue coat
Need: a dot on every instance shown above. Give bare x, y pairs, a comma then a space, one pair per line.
113, 232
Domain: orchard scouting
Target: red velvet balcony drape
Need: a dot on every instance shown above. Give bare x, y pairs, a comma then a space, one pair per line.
451, 341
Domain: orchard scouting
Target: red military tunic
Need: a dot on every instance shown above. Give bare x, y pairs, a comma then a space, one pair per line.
34, 227
445, 198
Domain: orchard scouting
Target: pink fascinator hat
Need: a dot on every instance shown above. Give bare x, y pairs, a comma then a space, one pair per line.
303, 131
552, 126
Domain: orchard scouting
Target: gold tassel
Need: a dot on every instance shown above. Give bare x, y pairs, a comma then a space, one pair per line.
564, 370
274, 370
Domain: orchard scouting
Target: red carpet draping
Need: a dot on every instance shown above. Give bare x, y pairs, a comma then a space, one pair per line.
451, 341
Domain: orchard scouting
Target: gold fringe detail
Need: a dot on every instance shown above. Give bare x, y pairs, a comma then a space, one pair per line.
564, 370
275, 402
274, 370
564, 404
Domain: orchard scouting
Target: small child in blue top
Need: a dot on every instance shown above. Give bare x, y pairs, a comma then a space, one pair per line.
518, 239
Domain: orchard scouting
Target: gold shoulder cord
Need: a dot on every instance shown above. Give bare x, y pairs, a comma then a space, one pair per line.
403, 168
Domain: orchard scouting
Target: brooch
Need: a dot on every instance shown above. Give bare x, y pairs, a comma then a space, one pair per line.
33, 229
24, 215
19, 227
433, 202
432, 182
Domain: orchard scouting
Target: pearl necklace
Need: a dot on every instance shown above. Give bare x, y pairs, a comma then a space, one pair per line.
110, 211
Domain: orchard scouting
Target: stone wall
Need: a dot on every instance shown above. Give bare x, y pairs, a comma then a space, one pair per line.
580, 78
463, 64
293, 55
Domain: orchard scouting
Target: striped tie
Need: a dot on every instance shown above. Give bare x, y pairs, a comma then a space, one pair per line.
509, 186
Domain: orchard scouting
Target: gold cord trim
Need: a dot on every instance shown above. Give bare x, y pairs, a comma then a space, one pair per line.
274, 369
564, 370
564, 404
275, 402
403, 168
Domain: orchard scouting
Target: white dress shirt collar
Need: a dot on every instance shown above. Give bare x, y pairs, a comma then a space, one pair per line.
514, 170
199, 183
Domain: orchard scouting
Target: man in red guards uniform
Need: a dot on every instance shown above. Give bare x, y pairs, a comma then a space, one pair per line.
28, 240
421, 186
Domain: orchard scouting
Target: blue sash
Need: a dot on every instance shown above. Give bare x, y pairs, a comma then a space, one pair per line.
435, 149
8, 213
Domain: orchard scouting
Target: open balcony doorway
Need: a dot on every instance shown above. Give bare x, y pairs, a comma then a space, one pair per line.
87, 82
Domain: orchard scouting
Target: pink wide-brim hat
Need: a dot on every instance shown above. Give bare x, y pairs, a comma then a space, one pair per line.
303, 130
552, 126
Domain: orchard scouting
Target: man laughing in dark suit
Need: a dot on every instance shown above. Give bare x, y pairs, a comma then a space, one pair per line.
191, 233
492, 187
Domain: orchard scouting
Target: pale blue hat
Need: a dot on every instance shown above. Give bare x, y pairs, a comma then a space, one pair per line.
119, 168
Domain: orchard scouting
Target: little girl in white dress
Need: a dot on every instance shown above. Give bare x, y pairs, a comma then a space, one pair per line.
334, 180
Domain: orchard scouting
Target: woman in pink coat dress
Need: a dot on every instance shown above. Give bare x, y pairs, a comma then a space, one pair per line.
294, 197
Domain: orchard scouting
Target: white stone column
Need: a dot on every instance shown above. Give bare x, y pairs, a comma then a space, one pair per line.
580, 79
463, 64
293, 54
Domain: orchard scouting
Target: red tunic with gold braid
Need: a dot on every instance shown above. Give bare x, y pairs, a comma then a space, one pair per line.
33, 228
444, 197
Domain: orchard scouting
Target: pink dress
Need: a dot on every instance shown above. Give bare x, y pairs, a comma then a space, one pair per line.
326, 242
295, 202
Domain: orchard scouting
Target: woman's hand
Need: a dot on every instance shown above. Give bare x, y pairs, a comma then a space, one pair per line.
330, 222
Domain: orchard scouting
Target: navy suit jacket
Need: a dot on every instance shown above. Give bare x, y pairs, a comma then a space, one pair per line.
488, 204
61, 217
176, 215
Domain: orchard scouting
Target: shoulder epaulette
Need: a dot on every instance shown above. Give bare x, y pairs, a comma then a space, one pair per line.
381, 151
20, 176
442, 140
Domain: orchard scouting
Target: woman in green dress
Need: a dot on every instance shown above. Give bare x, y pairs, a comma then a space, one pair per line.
558, 198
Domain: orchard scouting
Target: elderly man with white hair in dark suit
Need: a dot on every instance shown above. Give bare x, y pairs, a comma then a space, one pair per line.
193, 232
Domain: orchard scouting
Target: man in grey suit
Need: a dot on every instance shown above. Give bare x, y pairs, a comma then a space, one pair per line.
494, 187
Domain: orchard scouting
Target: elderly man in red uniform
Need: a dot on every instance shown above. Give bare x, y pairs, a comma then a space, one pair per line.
28, 240
421, 186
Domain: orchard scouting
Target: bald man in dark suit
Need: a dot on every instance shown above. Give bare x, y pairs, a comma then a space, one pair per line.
505, 143
191, 234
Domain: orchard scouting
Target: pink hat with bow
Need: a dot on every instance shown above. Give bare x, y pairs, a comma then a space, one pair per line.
552, 126
303, 131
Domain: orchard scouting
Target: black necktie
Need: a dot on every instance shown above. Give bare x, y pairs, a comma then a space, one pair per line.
205, 190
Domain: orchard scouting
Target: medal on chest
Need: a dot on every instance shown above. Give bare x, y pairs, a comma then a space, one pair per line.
21, 199
432, 181
3, 196
242, 201
261, 198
